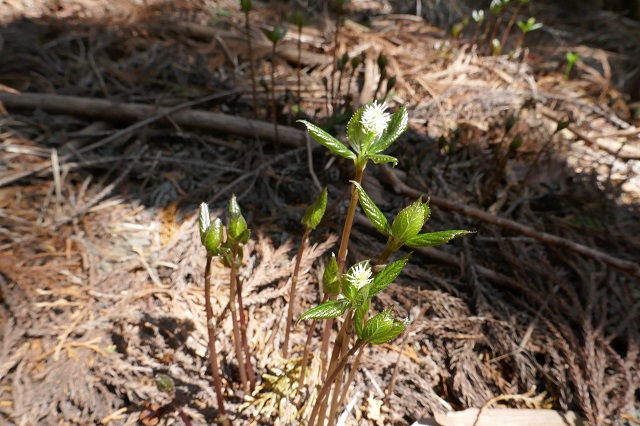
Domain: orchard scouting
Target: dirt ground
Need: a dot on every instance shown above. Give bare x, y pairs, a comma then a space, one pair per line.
118, 118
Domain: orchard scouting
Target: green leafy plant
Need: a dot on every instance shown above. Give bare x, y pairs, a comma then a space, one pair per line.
274, 35
526, 27
512, 20
479, 17
311, 219
572, 57
496, 8
299, 20
370, 132
212, 235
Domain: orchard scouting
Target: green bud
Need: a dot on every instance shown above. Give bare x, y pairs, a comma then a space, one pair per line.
238, 231
204, 220
213, 238
355, 62
315, 211
391, 83
408, 222
331, 278
276, 34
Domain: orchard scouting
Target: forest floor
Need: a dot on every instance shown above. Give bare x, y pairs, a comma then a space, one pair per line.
101, 267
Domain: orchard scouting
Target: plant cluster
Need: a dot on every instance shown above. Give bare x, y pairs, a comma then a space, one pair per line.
349, 291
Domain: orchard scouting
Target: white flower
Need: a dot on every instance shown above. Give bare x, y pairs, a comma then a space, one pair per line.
360, 274
375, 119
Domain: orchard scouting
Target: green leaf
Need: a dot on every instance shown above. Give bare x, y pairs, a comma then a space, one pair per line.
315, 211
213, 238
435, 238
378, 326
359, 316
372, 211
329, 309
356, 134
328, 141
330, 277
204, 220
397, 126
387, 275
408, 222
237, 222
396, 329
381, 159
361, 296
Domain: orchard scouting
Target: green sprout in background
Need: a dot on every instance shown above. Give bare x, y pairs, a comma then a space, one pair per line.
526, 27
572, 57
274, 35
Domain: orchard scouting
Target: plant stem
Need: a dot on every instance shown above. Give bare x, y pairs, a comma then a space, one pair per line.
342, 258
351, 213
493, 35
305, 353
292, 292
213, 354
245, 343
340, 348
274, 106
254, 93
334, 373
234, 321
352, 374
512, 21
335, 60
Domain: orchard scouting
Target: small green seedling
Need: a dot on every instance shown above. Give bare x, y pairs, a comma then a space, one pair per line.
525, 28
274, 35
572, 57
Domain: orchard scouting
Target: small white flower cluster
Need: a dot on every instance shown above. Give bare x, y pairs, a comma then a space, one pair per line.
360, 274
375, 119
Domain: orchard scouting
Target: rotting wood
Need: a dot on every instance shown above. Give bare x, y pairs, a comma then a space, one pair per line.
511, 225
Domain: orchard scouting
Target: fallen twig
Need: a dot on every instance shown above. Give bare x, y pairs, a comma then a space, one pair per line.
511, 225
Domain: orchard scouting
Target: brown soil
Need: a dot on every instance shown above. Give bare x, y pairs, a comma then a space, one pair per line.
101, 267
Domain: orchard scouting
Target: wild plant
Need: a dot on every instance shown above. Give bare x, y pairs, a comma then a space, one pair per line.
525, 28
572, 57
382, 66
512, 21
370, 131
479, 18
274, 35
496, 8
299, 20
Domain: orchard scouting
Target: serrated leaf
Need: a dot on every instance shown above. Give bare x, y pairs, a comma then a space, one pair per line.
381, 159
329, 309
359, 317
408, 222
377, 326
314, 213
435, 238
328, 141
356, 133
371, 210
397, 126
427, 210
361, 296
387, 275
396, 329
330, 277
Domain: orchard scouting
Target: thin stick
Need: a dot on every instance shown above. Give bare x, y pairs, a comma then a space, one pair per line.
305, 353
274, 105
254, 92
292, 293
213, 354
352, 374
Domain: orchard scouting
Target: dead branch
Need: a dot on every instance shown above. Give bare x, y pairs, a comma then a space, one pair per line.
513, 226
118, 111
